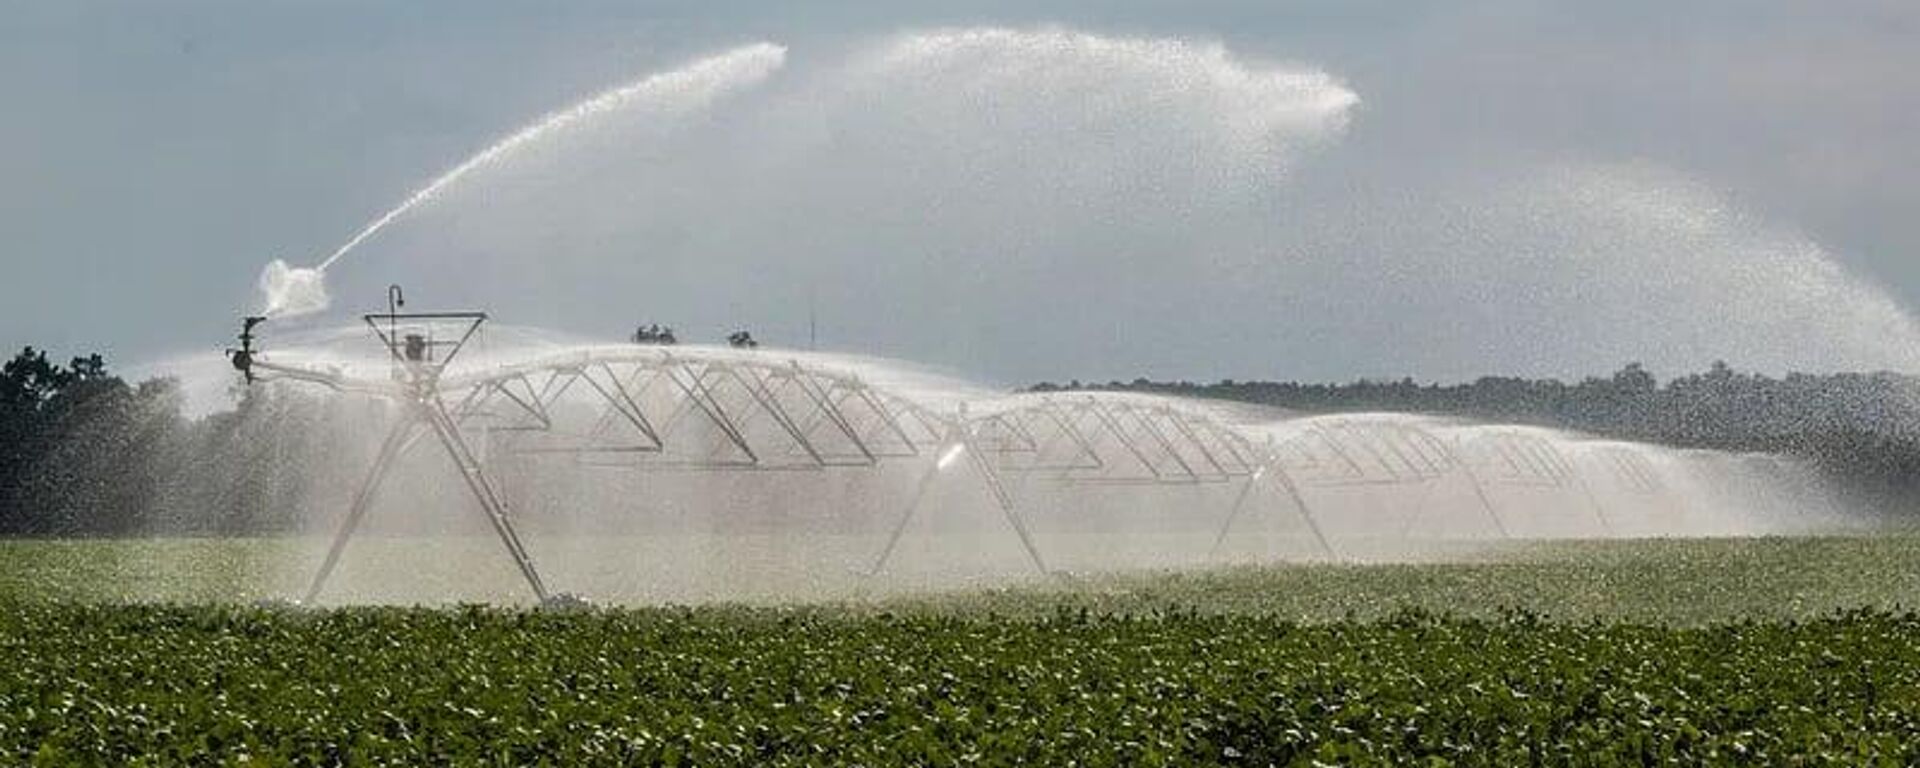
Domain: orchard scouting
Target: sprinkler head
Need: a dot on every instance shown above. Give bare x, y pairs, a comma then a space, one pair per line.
242, 358
242, 361
952, 453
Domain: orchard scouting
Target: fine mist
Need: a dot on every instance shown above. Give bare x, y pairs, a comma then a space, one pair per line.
639, 473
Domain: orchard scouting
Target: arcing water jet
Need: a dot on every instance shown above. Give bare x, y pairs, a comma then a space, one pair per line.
294, 291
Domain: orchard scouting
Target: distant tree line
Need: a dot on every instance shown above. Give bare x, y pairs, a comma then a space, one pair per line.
1860, 429
83, 453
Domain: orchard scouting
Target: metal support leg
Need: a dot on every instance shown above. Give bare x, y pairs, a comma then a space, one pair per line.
1002, 498
913, 506
1006, 503
1419, 509
1293, 495
1233, 513
398, 439
1306, 514
491, 502
1486, 502
1593, 500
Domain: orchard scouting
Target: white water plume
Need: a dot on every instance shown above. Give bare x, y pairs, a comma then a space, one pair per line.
1575, 268
289, 291
1714, 278
1054, 89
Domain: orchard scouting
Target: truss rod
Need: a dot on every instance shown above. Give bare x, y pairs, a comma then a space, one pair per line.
1106, 420
694, 392
1145, 418
757, 390
622, 403
833, 414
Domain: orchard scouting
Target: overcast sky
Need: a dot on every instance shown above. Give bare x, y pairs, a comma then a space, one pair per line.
1515, 187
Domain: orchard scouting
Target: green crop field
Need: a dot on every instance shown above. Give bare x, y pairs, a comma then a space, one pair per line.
1684, 581
1759, 651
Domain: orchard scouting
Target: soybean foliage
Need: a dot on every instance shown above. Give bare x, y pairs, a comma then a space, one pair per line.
162, 684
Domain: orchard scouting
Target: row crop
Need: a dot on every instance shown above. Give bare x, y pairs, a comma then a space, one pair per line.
211, 684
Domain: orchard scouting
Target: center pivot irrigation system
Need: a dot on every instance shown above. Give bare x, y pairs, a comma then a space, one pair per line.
647, 408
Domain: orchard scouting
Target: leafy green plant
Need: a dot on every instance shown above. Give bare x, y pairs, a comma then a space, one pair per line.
170, 684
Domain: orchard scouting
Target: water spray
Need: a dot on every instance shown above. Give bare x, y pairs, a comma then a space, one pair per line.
649, 408
633, 409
